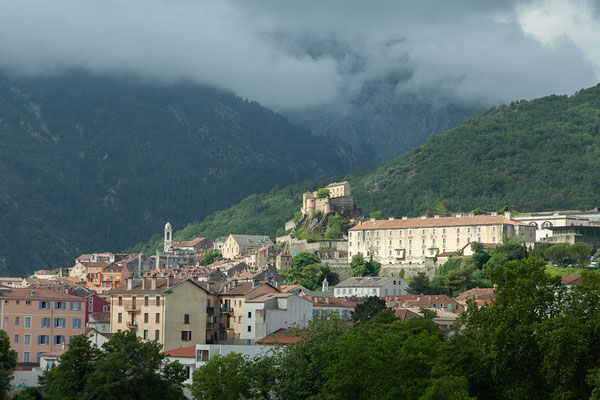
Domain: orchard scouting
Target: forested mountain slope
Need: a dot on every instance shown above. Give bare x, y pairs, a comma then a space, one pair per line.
90, 163
531, 155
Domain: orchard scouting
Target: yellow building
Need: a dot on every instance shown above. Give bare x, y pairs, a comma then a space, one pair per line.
310, 202
171, 311
412, 240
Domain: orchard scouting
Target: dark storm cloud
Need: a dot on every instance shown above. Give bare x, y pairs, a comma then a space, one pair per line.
296, 54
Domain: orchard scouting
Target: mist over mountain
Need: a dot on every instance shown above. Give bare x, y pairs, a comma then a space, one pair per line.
93, 162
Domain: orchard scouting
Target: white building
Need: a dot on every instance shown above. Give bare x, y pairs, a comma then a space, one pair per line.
371, 286
412, 240
268, 313
543, 222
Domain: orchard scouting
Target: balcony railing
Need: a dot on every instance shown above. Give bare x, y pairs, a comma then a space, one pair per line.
210, 310
132, 325
132, 308
225, 309
210, 325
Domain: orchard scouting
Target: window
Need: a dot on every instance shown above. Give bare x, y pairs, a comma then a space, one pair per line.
157, 318
75, 306
157, 301
202, 355
27, 340
391, 233
76, 323
444, 231
45, 322
16, 321
444, 241
44, 305
120, 300
157, 335
493, 229
434, 231
249, 328
44, 340
59, 339
186, 319
410, 231
222, 335
468, 229
120, 318
26, 356
27, 302
146, 334
186, 336
400, 242
60, 323
494, 239
423, 241
249, 314
16, 338
145, 318
457, 230
5, 321
90, 308
105, 308
410, 242
146, 301
478, 229
240, 319
390, 243
377, 243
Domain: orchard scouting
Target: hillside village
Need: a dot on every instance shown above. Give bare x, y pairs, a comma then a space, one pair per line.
202, 296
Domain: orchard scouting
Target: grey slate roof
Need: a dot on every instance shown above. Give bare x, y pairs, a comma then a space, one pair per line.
252, 240
358, 281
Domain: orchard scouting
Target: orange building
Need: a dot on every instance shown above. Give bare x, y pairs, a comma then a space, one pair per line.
40, 320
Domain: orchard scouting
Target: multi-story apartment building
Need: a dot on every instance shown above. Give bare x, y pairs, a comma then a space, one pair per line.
545, 223
40, 320
171, 311
94, 304
366, 286
397, 241
235, 245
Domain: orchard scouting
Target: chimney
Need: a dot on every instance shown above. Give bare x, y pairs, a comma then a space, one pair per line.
129, 283
404, 218
170, 280
508, 214
436, 216
391, 218
372, 219
153, 283
458, 215
494, 213
423, 216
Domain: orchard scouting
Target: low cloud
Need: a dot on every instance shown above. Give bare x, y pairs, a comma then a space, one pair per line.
296, 55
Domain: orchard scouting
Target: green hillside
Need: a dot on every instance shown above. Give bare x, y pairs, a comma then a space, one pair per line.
94, 163
531, 155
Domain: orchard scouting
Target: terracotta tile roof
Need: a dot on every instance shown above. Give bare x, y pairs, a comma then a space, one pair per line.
477, 294
101, 317
448, 254
38, 294
282, 336
336, 184
571, 280
269, 296
331, 302
287, 288
423, 301
404, 314
189, 351
188, 243
162, 285
437, 222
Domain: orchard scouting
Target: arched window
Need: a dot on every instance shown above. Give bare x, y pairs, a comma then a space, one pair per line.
534, 224
546, 225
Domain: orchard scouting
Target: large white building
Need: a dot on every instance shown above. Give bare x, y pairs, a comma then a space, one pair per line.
412, 240
379, 286
543, 222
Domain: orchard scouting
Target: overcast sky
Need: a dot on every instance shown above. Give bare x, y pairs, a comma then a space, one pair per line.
297, 54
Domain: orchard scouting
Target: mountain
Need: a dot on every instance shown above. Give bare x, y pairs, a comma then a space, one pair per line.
381, 124
96, 162
530, 155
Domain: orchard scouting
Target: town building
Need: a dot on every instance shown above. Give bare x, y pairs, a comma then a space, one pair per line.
266, 314
197, 245
412, 240
437, 302
113, 276
371, 286
40, 320
172, 312
95, 304
326, 307
339, 199
481, 296
283, 261
543, 222
236, 245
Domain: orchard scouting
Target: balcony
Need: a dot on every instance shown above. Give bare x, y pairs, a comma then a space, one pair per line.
132, 308
131, 325
210, 325
210, 310
225, 310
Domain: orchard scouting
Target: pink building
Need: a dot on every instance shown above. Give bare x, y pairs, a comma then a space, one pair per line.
40, 320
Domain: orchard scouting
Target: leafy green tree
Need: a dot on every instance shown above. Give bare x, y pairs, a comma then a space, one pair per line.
8, 362
580, 252
297, 216
361, 267
444, 208
301, 367
311, 276
68, 379
303, 259
223, 378
322, 193
420, 284
364, 312
539, 250
383, 361
448, 388
558, 252
211, 257
378, 215
29, 393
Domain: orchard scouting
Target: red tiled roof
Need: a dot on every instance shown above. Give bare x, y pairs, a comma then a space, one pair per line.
281, 336
404, 314
287, 288
38, 294
571, 280
477, 294
188, 243
268, 296
101, 317
331, 302
435, 222
189, 351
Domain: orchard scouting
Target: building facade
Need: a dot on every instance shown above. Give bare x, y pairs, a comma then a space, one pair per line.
236, 245
371, 286
398, 241
40, 320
